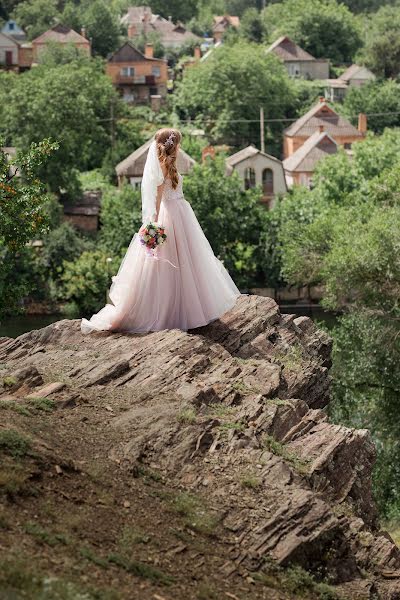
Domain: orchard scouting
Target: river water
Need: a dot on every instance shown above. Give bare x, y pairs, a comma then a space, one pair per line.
15, 326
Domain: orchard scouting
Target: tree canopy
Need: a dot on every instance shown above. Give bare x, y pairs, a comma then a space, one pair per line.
239, 78
324, 28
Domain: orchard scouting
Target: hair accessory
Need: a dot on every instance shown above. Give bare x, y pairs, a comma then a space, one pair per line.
169, 141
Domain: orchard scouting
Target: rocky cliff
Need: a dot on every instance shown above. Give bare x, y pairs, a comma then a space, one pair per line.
225, 426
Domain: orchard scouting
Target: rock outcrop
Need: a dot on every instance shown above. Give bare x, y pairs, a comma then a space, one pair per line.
233, 411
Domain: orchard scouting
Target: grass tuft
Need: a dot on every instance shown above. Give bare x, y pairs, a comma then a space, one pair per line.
250, 481
13, 443
140, 569
44, 537
301, 465
44, 404
187, 415
195, 514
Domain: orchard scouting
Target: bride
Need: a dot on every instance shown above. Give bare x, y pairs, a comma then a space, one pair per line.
184, 285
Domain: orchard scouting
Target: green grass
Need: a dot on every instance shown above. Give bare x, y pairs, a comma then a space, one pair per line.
194, 513
130, 538
140, 569
293, 359
44, 404
237, 426
296, 581
301, 465
242, 387
9, 381
44, 537
146, 473
134, 567
14, 479
187, 415
13, 443
15, 407
221, 410
20, 579
250, 481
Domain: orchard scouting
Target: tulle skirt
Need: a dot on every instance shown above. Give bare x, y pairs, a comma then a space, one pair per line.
187, 287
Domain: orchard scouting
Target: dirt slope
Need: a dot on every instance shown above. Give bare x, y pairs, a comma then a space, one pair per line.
184, 465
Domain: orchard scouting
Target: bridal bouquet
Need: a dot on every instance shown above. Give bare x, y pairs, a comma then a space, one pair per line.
152, 235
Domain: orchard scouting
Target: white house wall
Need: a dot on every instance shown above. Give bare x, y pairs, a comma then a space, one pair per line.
8, 45
259, 163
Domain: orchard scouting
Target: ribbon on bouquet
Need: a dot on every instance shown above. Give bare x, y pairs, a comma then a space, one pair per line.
154, 257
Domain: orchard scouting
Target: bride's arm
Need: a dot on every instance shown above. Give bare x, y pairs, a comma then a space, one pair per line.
160, 189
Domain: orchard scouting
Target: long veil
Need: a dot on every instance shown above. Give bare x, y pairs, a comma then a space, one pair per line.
152, 178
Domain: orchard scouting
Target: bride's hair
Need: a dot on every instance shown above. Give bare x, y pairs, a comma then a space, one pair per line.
167, 144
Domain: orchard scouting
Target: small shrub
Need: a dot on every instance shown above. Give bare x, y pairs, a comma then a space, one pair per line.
250, 481
43, 536
187, 415
195, 514
13, 443
9, 381
300, 464
44, 404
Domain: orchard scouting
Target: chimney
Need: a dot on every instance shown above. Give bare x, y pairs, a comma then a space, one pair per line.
197, 52
207, 152
362, 123
148, 50
169, 18
322, 99
83, 32
131, 31
321, 128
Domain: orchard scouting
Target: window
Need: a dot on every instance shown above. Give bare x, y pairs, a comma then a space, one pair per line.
347, 146
268, 182
249, 178
128, 71
156, 71
11, 26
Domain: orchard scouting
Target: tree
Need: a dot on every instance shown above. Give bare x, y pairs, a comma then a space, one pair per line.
36, 16
232, 219
247, 79
344, 235
102, 27
375, 98
382, 48
37, 105
22, 215
121, 217
252, 26
324, 28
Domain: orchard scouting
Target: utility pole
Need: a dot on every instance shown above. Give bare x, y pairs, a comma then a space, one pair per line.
262, 129
112, 124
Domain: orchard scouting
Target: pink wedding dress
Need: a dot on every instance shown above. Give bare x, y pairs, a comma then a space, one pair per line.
186, 287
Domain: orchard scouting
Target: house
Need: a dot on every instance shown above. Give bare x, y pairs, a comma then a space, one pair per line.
9, 53
12, 29
297, 61
138, 76
139, 20
60, 35
338, 127
258, 168
300, 166
84, 213
131, 168
354, 76
221, 24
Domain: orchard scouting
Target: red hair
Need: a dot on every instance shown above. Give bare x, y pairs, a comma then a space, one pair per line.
167, 146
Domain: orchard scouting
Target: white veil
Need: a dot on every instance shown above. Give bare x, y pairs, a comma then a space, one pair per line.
152, 178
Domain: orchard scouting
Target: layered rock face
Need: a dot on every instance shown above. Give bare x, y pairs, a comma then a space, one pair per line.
234, 411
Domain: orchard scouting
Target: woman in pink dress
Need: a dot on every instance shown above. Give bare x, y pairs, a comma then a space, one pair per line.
184, 285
